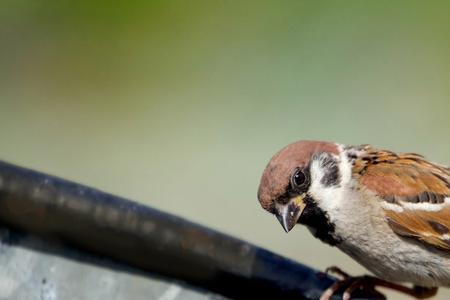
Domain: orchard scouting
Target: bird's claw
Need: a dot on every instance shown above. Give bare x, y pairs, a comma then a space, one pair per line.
350, 285
337, 271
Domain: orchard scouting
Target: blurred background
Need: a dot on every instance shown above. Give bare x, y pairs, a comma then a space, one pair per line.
181, 104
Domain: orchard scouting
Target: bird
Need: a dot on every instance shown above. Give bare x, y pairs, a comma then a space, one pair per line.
388, 211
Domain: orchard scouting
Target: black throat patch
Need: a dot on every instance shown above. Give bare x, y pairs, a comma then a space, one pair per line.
318, 222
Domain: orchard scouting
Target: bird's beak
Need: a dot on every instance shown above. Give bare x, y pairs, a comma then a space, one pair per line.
288, 214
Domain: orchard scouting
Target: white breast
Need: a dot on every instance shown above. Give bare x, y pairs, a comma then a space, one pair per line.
369, 240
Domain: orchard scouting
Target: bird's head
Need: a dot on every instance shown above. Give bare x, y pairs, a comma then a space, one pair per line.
297, 179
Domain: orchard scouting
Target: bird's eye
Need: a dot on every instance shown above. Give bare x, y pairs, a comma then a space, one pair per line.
299, 179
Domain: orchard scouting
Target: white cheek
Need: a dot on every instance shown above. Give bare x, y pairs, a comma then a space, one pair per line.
327, 197
316, 174
344, 167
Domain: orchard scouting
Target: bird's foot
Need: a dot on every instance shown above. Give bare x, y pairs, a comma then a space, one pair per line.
350, 285
338, 271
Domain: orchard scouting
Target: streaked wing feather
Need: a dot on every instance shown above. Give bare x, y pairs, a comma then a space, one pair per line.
430, 227
409, 178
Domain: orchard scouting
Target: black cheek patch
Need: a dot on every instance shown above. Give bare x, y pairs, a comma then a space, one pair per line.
332, 176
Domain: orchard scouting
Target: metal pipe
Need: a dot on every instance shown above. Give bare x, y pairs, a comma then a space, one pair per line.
149, 239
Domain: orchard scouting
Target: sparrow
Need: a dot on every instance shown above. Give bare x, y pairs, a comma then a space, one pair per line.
390, 212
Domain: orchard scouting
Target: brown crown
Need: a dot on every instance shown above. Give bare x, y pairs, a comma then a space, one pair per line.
276, 177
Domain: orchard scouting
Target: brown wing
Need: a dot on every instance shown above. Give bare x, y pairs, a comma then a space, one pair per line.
417, 190
430, 227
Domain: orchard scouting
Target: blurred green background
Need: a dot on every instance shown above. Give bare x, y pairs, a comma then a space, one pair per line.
180, 104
